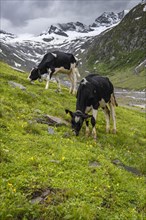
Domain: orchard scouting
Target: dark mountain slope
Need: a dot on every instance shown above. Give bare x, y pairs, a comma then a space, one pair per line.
122, 45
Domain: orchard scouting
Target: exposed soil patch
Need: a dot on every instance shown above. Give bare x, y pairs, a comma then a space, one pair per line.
49, 196
133, 170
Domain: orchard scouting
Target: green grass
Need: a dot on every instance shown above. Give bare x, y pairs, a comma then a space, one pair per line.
33, 161
128, 79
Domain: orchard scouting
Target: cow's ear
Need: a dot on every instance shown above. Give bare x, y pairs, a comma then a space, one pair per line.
70, 112
34, 68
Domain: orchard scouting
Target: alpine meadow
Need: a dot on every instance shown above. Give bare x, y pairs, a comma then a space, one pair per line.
48, 173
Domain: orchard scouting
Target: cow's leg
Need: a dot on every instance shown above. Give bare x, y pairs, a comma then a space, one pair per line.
48, 78
74, 81
47, 82
113, 116
77, 72
93, 122
58, 82
71, 80
107, 118
87, 128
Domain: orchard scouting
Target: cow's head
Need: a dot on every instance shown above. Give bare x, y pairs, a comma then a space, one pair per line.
34, 74
77, 119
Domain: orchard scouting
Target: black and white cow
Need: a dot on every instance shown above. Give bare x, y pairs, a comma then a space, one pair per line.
94, 91
54, 63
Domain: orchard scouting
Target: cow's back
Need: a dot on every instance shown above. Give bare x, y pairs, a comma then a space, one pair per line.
103, 86
47, 59
57, 59
64, 59
96, 87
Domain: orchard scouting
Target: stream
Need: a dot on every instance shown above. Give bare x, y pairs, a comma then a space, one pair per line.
131, 98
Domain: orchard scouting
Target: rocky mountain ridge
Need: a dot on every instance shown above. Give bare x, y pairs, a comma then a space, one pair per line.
6, 36
109, 18
62, 29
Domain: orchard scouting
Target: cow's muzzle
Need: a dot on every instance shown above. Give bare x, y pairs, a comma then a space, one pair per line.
30, 80
75, 132
40, 80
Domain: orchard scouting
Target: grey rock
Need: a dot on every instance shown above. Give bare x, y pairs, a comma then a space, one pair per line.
51, 130
94, 164
17, 85
54, 161
52, 120
133, 170
66, 135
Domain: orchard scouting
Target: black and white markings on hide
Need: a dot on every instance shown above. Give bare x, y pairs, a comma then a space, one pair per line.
77, 118
54, 63
54, 54
94, 91
84, 81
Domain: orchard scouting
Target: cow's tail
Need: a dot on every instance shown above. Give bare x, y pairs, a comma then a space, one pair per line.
113, 100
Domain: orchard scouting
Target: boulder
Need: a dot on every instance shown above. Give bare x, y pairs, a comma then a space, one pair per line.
16, 85
52, 120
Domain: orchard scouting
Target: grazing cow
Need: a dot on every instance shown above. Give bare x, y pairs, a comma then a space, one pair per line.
54, 63
94, 91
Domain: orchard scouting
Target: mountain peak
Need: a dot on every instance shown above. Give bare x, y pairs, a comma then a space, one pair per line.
6, 36
63, 28
108, 18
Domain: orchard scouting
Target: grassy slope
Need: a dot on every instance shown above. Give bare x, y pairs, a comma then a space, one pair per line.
126, 78
122, 75
32, 160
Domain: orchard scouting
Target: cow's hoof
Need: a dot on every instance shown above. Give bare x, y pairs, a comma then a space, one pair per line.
58, 91
107, 130
87, 134
95, 138
114, 131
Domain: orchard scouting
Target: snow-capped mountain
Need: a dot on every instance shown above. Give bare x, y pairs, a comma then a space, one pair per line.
62, 29
6, 36
70, 37
109, 18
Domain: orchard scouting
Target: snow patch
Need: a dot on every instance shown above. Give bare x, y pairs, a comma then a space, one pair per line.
144, 9
2, 53
18, 57
17, 64
137, 18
